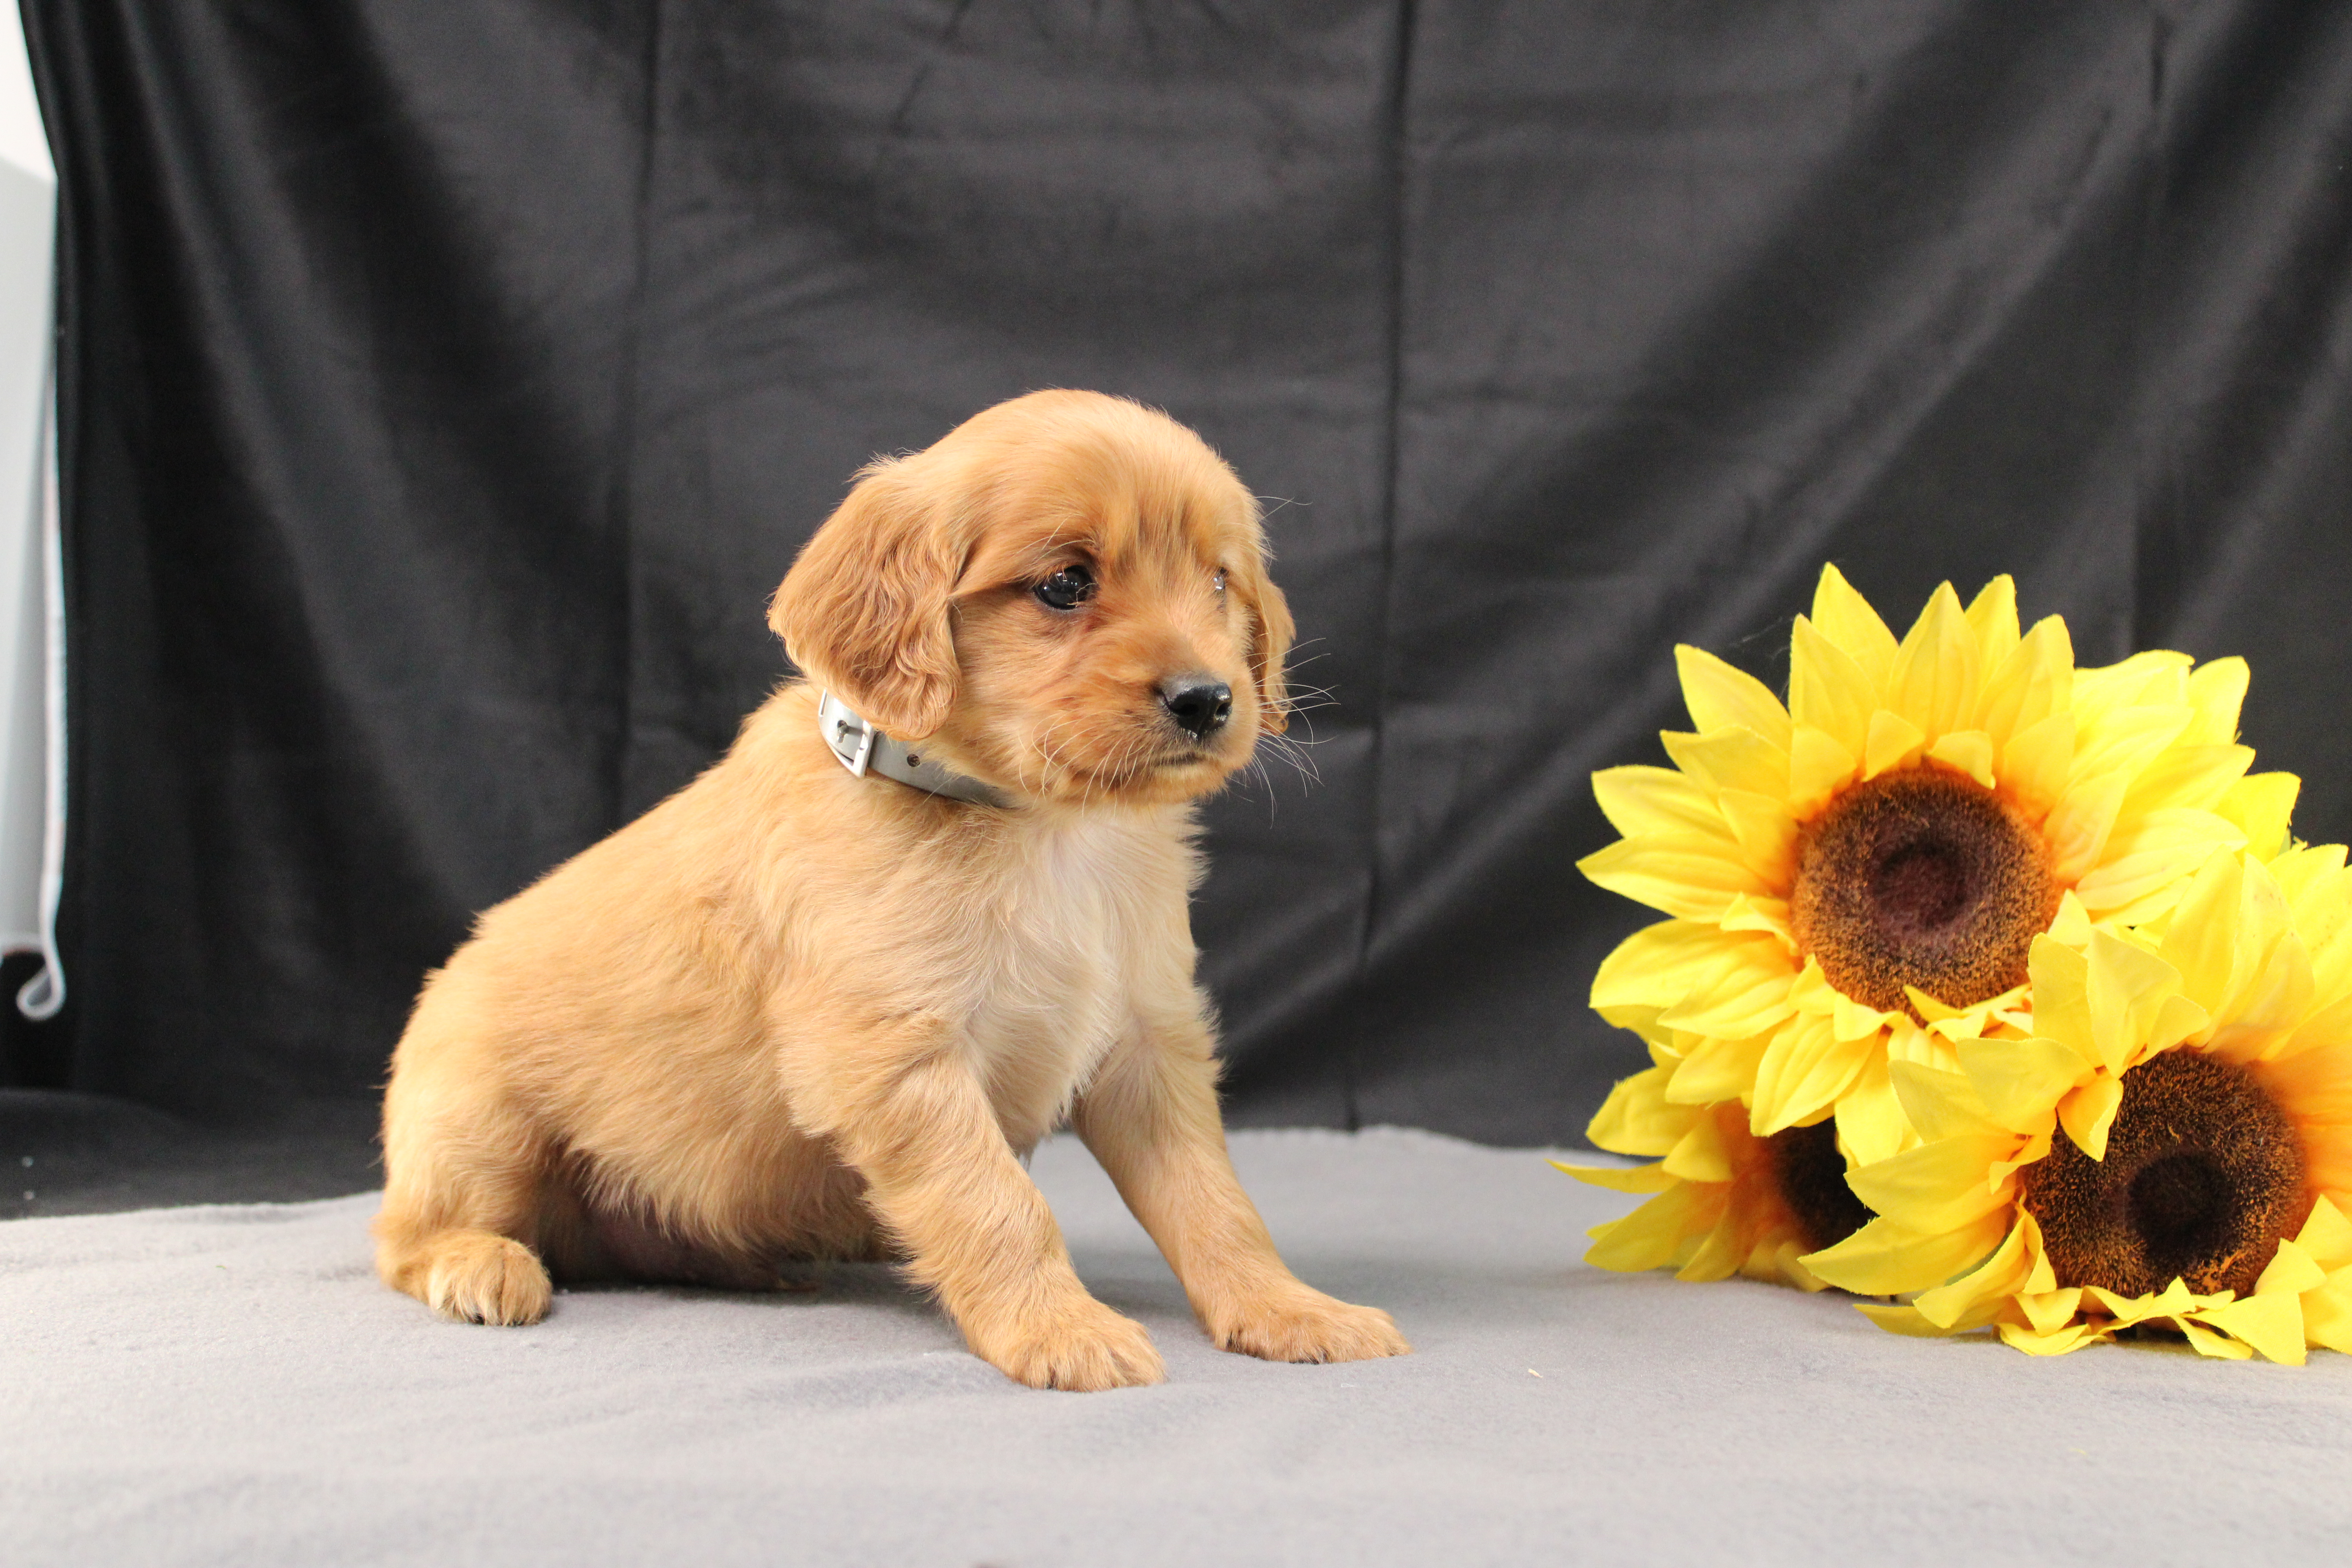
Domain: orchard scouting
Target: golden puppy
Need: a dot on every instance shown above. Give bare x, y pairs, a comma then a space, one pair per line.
798, 1011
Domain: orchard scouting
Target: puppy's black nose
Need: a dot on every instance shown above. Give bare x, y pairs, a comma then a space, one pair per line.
1198, 706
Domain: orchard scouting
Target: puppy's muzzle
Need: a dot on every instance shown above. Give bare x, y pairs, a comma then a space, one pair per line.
1199, 705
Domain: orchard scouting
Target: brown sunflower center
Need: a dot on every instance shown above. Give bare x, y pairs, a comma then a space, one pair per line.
2204, 1175
1810, 1174
1921, 878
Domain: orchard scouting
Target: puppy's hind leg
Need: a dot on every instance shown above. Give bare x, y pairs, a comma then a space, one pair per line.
464, 1178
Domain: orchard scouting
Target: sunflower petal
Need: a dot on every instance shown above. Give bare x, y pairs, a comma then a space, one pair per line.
1818, 765
1992, 617
1932, 685
2062, 995
2290, 1272
1827, 689
2197, 777
1719, 696
1937, 1186
1765, 917
1618, 1178
2032, 682
2127, 1311
2154, 675
2036, 761
1803, 1071
1636, 1117
2125, 987
1884, 1258
1933, 1011
1678, 873
2032, 1151
1940, 1104
2262, 805
2206, 1342
1641, 1021
1700, 1156
1657, 965
2327, 1235
1766, 833
2311, 1074
2079, 825
2123, 742
1847, 619
2230, 919
1732, 757
2088, 1113
2177, 1019
1643, 800
2020, 1082
1870, 1120
2072, 924
2328, 1313
1787, 1266
1893, 741
1976, 1298
1900, 1320
1659, 1233
1853, 1020
2314, 1086
2058, 1342
1970, 751
2312, 877
2142, 870
1717, 1257
2050, 1311
1718, 1070
1744, 992
2216, 690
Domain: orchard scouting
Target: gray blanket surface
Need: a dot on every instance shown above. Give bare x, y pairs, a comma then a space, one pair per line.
232, 1385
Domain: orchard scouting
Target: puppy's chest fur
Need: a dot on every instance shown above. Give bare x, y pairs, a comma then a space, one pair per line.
1061, 952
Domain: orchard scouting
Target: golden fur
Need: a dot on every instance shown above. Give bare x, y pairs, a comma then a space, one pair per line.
791, 1013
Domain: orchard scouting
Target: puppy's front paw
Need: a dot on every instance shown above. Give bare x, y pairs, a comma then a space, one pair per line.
478, 1277
1084, 1347
1303, 1324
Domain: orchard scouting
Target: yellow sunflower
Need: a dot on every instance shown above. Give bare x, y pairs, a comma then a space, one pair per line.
1726, 1202
1857, 878
2172, 1143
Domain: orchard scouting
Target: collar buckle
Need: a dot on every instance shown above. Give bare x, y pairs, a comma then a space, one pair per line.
849, 737
861, 748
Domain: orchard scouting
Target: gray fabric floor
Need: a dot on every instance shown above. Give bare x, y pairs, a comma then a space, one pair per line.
231, 1385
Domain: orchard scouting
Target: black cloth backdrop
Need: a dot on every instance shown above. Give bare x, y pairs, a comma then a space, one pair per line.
444, 387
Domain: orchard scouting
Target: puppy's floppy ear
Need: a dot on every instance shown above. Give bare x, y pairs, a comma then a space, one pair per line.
1269, 643
864, 611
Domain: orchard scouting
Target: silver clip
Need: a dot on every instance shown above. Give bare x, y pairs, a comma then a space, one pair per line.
857, 763
841, 721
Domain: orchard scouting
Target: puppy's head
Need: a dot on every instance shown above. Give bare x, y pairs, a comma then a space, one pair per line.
1066, 596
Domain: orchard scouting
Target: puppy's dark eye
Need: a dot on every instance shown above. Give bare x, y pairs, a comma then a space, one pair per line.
1218, 581
1067, 589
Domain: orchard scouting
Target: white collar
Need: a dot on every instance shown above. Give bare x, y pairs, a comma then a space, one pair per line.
863, 749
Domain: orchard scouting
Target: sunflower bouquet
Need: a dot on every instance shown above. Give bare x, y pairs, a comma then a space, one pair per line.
1942, 928
2172, 1145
